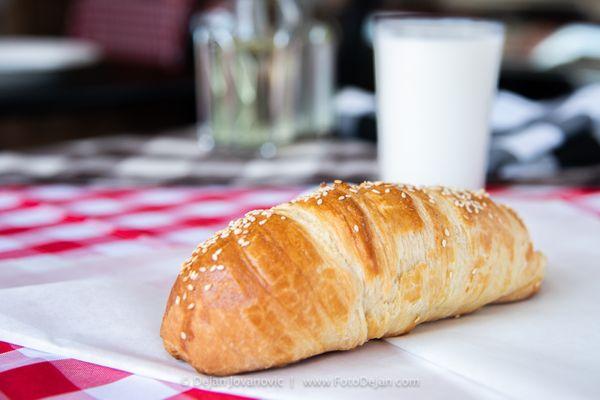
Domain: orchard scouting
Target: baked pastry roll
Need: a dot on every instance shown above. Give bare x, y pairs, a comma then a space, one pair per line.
343, 265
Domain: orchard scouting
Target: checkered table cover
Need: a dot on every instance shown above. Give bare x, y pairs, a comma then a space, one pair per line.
50, 222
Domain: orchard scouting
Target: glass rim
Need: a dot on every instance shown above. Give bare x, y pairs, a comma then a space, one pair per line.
488, 24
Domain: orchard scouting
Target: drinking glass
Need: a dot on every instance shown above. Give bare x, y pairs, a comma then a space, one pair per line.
436, 79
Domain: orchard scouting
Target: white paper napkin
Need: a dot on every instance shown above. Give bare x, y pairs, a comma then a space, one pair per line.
108, 311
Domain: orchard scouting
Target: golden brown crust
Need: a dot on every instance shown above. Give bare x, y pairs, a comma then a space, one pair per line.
348, 263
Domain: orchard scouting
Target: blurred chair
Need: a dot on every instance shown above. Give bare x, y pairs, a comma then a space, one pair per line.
150, 32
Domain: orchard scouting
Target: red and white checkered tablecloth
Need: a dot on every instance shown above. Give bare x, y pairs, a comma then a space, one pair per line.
46, 223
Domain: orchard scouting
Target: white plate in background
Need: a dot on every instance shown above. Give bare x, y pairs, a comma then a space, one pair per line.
21, 54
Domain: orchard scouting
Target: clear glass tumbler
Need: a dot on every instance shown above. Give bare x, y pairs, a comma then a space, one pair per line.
247, 72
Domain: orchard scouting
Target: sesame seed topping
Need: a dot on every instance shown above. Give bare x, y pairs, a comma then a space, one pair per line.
190, 287
446, 232
319, 202
444, 243
211, 269
264, 221
207, 287
341, 198
183, 336
202, 269
376, 191
237, 231
403, 195
417, 320
457, 316
224, 234
337, 181
355, 228
387, 190
190, 306
220, 267
283, 217
184, 296
177, 300
474, 271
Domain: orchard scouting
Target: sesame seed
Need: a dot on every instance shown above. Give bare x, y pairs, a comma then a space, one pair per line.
184, 296
190, 306
444, 243
387, 190
211, 269
403, 195
220, 267
245, 232
202, 269
183, 336
337, 181
474, 271
224, 234
376, 191
341, 198
190, 287
319, 202
245, 244
283, 217
237, 231
207, 287
457, 316
355, 228
177, 300
264, 221
417, 320
446, 232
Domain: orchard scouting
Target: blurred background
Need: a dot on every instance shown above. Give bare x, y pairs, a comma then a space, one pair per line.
107, 91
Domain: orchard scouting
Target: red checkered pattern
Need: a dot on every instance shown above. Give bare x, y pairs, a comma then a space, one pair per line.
70, 221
